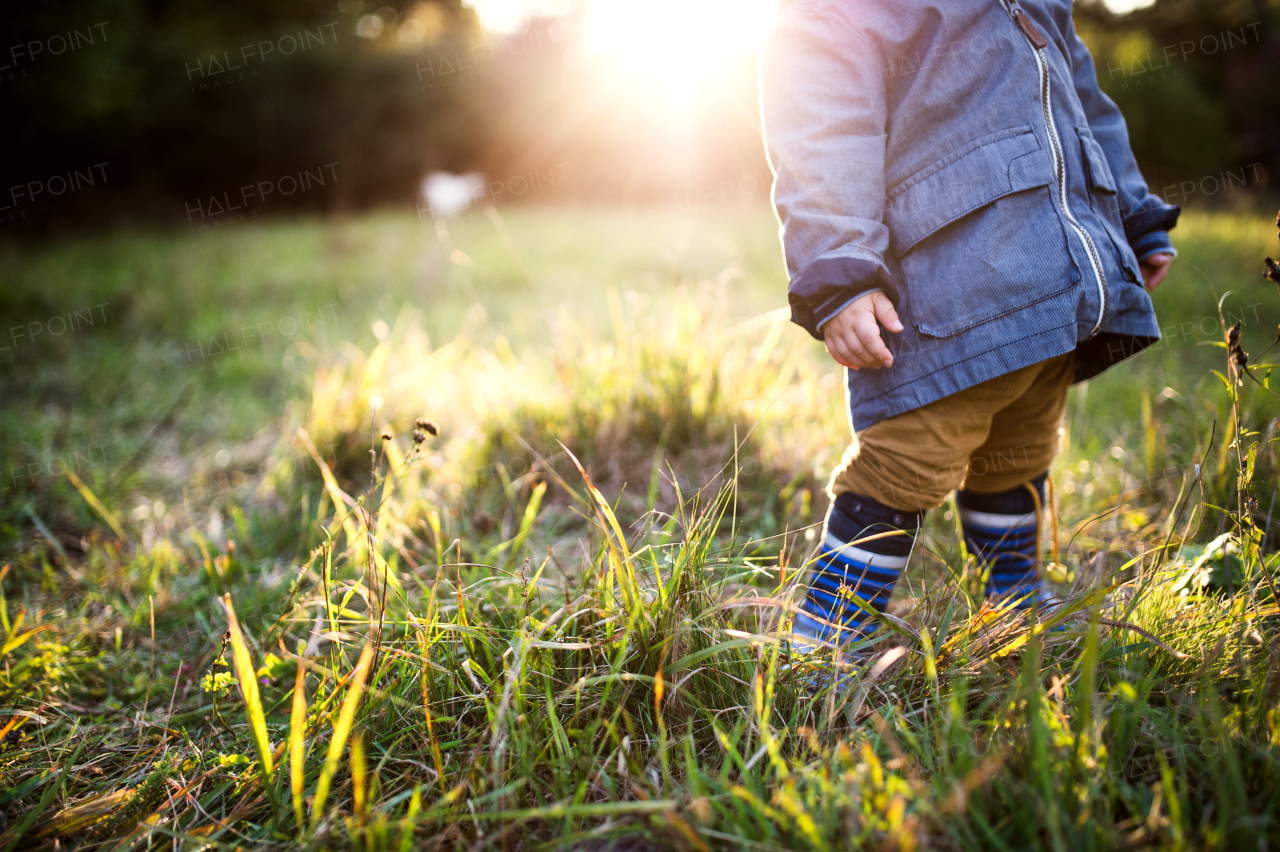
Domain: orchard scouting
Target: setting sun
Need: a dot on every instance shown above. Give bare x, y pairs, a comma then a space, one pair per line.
670, 47
686, 34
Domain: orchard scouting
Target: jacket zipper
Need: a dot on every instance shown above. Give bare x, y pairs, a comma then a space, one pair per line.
1038, 42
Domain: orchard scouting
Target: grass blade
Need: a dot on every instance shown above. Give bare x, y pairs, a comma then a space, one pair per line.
246, 674
297, 747
16, 834
97, 506
341, 730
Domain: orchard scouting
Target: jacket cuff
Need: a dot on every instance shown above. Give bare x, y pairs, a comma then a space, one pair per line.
827, 285
825, 313
1151, 215
1156, 242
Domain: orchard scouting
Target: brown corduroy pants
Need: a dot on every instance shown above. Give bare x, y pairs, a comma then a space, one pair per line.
988, 438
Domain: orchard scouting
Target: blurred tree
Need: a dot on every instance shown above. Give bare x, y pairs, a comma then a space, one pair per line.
1196, 80
186, 100
185, 106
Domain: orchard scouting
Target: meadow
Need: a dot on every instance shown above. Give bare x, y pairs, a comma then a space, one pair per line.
379, 533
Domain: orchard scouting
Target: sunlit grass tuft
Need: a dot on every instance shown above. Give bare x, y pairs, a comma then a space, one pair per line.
558, 621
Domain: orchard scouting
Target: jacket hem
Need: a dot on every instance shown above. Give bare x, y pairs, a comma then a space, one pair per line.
961, 375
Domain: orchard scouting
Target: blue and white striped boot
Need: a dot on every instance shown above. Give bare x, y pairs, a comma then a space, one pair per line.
867, 570
1003, 532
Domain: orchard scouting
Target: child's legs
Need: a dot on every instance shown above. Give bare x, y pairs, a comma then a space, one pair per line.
1025, 434
1004, 490
901, 466
1006, 426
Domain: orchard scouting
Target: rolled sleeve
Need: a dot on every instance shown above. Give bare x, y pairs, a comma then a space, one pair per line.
1147, 228
1156, 242
822, 96
827, 286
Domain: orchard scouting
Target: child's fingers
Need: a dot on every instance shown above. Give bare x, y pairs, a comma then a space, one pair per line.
1154, 269
868, 333
848, 350
885, 312
858, 348
836, 348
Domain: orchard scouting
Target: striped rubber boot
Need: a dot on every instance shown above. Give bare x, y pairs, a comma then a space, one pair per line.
1003, 532
867, 570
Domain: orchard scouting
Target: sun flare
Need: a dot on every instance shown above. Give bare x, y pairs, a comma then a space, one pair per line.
685, 33
674, 48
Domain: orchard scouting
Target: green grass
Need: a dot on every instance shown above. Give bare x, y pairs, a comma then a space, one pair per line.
468, 642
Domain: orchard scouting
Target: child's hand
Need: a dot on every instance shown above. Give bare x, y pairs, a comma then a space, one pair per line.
1154, 269
853, 337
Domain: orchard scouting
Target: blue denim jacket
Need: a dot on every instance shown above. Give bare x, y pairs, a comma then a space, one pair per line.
959, 156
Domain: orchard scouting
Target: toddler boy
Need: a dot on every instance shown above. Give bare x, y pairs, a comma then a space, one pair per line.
949, 172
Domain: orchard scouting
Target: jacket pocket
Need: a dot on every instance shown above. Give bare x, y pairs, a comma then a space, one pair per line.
1100, 177
978, 235
1105, 201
